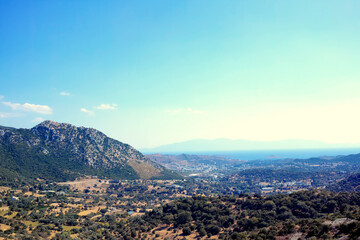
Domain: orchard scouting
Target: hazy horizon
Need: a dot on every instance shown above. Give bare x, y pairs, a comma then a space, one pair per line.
151, 73
228, 145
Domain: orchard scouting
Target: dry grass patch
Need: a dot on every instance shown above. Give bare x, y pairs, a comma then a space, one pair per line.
13, 214
96, 216
5, 208
87, 212
82, 184
68, 228
30, 223
137, 214
4, 227
144, 169
2, 189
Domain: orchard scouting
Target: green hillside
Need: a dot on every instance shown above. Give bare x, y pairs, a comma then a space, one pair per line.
57, 151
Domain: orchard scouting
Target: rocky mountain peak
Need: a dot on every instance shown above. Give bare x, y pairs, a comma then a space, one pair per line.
49, 123
55, 126
54, 131
79, 148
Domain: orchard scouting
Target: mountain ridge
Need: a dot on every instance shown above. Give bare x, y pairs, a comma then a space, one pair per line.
63, 151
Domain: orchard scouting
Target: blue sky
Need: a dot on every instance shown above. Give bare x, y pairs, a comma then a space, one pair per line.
156, 72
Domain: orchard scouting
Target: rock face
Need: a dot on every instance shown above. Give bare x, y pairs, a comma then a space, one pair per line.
71, 151
89, 145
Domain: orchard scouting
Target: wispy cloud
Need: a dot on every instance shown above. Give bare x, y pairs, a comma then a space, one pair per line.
90, 113
184, 110
28, 107
107, 107
8, 115
194, 111
173, 111
1, 97
65, 94
38, 119
4, 115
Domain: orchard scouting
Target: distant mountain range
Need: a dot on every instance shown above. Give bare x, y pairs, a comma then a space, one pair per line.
60, 151
223, 144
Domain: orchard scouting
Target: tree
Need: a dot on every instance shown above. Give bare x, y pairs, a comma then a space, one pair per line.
269, 205
213, 229
184, 217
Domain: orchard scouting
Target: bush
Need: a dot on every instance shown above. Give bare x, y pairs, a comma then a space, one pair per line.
213, 229
186, 231
202, 232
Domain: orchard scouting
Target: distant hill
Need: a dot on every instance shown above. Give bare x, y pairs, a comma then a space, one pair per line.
350, 184
223, 144
60, 151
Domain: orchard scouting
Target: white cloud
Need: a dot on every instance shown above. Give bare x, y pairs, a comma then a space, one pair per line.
38, 119
107, 107
28, 107
1, 97
65, 94
91, 113
185, 110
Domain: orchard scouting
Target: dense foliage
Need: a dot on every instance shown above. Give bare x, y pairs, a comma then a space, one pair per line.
18, 160
265, 218
350, 184
47, 210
